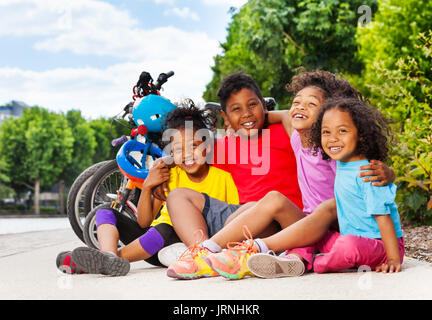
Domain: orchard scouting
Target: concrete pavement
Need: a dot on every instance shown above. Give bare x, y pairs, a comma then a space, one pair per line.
28, 271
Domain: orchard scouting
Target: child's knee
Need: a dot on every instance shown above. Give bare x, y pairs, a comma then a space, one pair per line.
183, 193
178, 195
105, 216
275, 199
152, 241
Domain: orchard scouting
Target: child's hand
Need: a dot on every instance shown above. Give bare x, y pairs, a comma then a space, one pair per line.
378, 172
158, 174
389, 267
159, 192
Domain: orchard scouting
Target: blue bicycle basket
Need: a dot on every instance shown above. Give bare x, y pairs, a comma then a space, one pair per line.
129, 166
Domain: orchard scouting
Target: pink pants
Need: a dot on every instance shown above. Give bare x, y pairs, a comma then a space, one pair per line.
344, 252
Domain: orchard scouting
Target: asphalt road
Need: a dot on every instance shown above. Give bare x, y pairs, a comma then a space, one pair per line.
28, 271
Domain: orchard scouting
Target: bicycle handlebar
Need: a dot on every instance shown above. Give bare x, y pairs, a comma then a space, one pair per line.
163, 77
119, 141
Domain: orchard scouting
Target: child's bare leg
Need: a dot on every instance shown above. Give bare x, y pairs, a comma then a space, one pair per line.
108, 237
185, 208
273, 207
134, 252
240, 210
307, 231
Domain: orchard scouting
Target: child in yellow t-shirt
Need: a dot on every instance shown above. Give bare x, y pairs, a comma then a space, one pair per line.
189, 149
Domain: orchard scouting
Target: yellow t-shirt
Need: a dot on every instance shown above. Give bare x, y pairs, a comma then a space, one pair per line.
218, 184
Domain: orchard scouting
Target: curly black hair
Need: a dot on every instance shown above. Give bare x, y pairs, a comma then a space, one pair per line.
233, 84
373, 128
202, 118
330, 84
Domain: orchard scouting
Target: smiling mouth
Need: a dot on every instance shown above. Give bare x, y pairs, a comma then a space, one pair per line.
248, 125
334, 150
299, 116
189, 163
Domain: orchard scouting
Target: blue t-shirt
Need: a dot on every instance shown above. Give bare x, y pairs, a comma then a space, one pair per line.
357, 202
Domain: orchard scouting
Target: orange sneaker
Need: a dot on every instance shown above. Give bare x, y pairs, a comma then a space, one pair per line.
191, 264
231, 263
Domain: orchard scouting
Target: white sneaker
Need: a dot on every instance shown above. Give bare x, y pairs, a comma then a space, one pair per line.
171, 253
266, 265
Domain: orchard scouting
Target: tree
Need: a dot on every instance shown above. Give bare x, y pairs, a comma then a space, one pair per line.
83, 151
271, 38
36, 148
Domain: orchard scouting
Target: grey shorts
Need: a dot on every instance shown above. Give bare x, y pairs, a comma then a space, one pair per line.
216, 212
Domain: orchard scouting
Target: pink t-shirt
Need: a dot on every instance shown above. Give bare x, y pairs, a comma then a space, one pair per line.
315, 176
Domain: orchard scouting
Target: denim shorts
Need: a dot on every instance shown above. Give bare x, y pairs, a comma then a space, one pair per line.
216, 212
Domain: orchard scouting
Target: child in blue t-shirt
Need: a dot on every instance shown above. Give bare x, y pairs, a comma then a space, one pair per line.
351, 132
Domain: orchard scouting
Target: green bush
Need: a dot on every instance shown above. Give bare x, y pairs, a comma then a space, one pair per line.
405, 95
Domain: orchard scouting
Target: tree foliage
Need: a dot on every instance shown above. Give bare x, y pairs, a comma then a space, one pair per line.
83, 146
406, 97
269, 39
36, 148
392, 34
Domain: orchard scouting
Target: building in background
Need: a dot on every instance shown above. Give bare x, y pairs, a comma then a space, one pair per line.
12, 109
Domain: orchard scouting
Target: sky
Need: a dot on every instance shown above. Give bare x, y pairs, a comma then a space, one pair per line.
88, 54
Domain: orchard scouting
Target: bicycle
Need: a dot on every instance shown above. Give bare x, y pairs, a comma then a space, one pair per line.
105, 178
134, 159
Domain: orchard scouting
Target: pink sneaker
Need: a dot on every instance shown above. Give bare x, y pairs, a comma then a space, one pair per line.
269, 265
192, 264
231, 263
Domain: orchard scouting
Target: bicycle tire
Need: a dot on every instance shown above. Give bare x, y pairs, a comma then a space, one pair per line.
74, 209
94, 196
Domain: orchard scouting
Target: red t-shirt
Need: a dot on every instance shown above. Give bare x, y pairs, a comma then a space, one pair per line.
260, 164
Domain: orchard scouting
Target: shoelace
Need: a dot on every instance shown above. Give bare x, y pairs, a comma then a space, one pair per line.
193, 250
248, 245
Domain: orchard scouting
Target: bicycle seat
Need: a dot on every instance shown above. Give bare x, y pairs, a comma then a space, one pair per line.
129, 166
151, 112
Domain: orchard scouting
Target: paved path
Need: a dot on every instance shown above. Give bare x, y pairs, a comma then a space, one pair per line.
28, 271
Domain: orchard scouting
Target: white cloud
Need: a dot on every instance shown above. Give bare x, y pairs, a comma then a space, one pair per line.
98, 92
184, 13
50, 17
94, 28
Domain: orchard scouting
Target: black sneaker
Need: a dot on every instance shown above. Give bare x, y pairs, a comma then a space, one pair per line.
65, 264
98, 262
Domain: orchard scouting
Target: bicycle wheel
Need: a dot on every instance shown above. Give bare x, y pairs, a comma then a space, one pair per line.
103, 186
75, 199
105, 183
89, 230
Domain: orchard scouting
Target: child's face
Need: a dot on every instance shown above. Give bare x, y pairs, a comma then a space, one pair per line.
339, 136
305, 108
244, 110
188, 153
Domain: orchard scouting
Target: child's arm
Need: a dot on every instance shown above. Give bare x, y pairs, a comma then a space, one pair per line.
388, 236
378, 172
281, 116
148, 206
